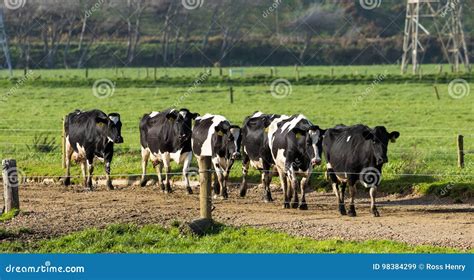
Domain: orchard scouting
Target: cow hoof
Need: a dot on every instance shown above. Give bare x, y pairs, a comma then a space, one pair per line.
111, 187
352, 211
168, 190
286, 205
67, 181
142, 183
162, 187
243, 192
189, 190
342, 209
376, 213
225, 195
294, 205
303, 206
267, 198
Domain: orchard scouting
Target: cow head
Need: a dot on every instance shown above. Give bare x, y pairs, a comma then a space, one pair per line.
182, 123
379, 136
111, 127
231, 139
310, 138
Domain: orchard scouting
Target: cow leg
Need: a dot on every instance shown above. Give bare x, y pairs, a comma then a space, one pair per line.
245, 170
84, 173
159, 169
215, 185
303, 186
267, 177
107, 174
90, 169
284, 186
293, 188
167, 165
335, 189
69, 152
373, 193
145, 157
352, 192
186, 164
342, 207
221, 184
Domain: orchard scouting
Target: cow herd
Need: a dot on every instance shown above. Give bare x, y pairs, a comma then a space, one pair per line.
290, 146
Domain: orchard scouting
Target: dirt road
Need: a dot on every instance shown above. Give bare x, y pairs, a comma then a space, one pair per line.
49, 211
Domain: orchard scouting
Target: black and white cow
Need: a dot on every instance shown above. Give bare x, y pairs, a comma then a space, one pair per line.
214, 136
296, 148
256, 151
356, 154
166, 136
91, 134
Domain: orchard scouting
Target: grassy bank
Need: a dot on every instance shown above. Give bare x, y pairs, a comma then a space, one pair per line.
127, 238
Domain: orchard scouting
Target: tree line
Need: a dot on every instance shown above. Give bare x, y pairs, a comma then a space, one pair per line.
76, 34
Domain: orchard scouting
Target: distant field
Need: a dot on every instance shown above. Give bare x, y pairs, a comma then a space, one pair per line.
424, 156
285, 71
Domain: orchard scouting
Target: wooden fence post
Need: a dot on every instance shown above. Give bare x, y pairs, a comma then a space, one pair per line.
154, 74
205, 199
460, 141
231, 94
436, 91
63, 143
10, 185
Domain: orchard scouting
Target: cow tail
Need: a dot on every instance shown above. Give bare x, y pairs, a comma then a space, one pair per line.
143, 130
66, 125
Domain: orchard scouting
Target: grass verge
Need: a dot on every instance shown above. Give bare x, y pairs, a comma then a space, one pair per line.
9, 215
128, 238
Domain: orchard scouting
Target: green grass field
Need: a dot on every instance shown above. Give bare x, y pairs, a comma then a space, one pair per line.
284, 71
424, 157
126, 238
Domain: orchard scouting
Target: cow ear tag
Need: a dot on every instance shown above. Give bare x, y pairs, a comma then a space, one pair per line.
266, 130
298, 135
220, 133
100, 124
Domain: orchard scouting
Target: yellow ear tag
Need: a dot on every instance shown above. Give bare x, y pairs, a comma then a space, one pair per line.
100, 124
220, 133
298, 135
266, 130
